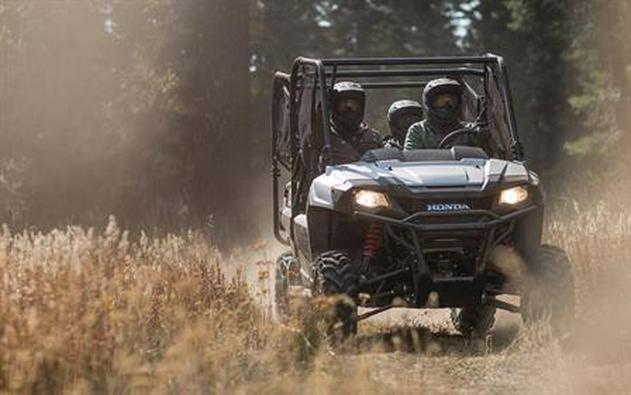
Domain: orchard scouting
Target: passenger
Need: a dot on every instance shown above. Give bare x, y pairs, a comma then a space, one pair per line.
443, 110
350, 137
401, 115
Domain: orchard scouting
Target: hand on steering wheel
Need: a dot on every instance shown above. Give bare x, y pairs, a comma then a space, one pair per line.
452, 136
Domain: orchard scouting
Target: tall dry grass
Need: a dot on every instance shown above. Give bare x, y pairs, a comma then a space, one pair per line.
81, 309
90, 311
598, 240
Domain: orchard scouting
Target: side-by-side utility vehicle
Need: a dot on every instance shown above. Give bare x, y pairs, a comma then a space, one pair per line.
453, 227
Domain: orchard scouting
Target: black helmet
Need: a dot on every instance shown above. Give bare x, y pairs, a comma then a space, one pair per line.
441, 102
401, 115
348, 100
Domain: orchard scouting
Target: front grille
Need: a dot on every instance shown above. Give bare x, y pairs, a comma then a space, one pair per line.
414, 205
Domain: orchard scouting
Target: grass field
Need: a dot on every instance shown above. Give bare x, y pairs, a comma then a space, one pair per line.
86, 310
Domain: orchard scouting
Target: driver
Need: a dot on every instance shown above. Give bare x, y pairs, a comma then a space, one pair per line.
351, 137
401, 115
442, 105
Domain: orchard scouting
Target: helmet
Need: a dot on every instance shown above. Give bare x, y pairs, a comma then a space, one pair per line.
348, 100
401, 115
441, 102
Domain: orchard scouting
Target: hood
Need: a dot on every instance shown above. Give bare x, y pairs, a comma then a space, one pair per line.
412, 177
463, 173
415, 177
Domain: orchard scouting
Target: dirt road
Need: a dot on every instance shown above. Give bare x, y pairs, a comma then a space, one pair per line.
415, 350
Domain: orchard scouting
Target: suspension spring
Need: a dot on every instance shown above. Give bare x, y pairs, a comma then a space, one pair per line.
372, 242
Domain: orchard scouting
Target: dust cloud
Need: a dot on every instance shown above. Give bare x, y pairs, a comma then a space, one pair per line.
137, 109
105, 109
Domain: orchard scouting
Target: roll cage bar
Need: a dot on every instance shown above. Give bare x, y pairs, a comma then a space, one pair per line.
325, 72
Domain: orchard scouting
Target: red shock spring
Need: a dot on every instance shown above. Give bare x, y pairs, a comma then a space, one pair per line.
373, 239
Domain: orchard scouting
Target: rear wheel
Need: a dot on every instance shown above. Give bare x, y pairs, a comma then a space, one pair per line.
335, 275
548, 291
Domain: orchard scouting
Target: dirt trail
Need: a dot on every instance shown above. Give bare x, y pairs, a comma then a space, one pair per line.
421, 348
412, 349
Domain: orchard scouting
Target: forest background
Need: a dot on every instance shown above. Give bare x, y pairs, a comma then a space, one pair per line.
157, 111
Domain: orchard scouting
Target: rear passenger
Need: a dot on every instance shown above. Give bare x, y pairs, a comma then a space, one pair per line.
401, 115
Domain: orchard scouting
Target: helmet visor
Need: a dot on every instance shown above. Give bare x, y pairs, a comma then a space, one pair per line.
445, 100
405, 120
348, 106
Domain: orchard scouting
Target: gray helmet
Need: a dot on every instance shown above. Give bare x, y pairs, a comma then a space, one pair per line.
348, 101
449, 115
401, 115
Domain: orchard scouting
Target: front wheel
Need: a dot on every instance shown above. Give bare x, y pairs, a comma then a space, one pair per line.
337, 276
548, 290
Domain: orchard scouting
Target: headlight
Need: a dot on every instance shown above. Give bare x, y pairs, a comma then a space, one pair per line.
371, 199
513, 196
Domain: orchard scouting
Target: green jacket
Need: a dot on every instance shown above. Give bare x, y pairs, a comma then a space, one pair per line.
422, 136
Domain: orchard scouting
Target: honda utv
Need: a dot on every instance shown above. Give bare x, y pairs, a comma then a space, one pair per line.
455, 227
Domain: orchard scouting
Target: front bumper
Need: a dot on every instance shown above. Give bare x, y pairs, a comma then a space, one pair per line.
454, 291
414, 221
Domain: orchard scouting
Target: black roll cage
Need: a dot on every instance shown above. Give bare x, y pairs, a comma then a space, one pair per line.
326, 71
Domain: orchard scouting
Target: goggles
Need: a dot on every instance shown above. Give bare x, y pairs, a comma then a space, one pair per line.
446, 100
405, 120
349, 105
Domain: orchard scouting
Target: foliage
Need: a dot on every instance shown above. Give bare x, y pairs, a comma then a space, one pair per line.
133, 108
603, 58
87, 310
158, 111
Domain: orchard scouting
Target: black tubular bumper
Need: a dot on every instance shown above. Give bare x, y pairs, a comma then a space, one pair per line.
457, 291
412, 222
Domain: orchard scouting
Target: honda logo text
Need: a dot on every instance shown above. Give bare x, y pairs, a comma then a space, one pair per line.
448, 207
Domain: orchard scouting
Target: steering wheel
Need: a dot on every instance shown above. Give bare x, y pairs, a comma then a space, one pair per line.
449, 139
